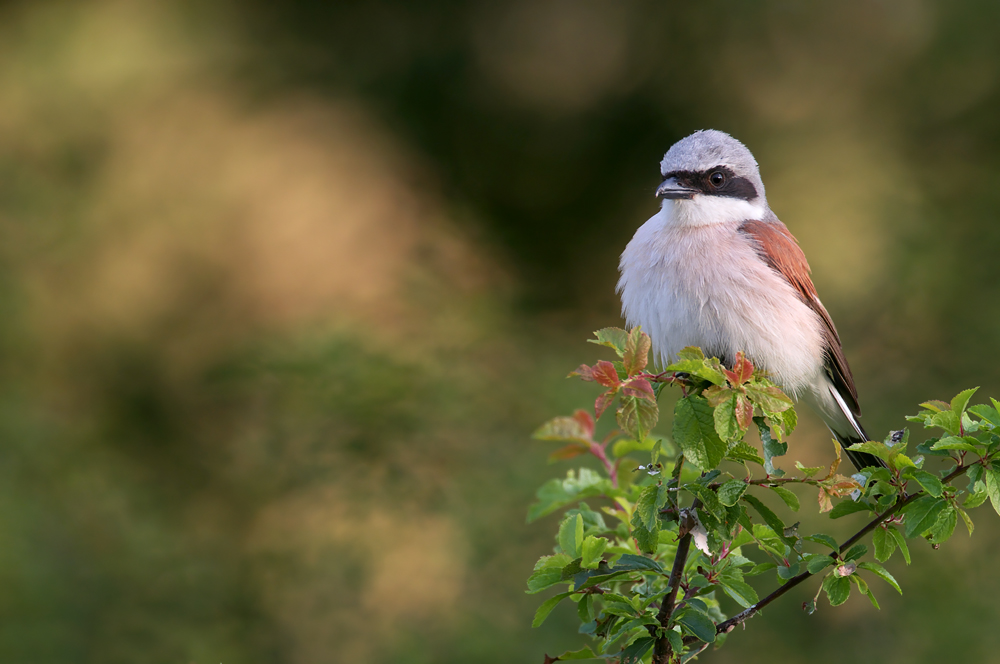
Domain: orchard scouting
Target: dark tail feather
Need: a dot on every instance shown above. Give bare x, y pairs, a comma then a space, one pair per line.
859, 459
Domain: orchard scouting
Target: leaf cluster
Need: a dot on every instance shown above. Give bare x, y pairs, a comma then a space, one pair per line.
642, 592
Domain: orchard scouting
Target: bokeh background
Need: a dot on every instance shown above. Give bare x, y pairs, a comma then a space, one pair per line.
285, 287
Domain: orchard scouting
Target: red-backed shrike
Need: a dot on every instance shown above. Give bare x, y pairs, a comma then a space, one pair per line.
715, 268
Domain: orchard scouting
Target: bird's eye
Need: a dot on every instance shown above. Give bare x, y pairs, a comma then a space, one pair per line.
718, 178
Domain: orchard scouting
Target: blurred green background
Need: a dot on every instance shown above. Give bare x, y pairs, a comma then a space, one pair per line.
285, 287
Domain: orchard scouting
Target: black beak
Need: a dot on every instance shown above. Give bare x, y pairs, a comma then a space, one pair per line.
671, 189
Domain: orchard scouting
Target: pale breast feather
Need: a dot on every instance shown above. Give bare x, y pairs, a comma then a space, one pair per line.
778, 248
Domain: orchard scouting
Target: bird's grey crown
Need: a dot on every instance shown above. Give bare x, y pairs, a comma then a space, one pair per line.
708, 148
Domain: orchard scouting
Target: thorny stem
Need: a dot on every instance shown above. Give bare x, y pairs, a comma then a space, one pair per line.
739, 618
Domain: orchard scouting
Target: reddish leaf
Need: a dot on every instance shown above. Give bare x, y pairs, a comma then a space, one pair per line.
585, 420
730, 376
565, 428
605, 373
743, 368
744, 412
638, 387
825, 504
717, 395
584, 371
636, 351
602, 403
568, 452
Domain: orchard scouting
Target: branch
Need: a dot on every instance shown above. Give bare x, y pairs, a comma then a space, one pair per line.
662, 650
739, 618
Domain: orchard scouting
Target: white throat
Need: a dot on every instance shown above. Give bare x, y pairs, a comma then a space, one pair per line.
708, 210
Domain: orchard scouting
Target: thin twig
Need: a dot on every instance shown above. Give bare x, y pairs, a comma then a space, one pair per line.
661, 649
743, 616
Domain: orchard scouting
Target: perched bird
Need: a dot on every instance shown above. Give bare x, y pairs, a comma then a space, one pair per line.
715, 268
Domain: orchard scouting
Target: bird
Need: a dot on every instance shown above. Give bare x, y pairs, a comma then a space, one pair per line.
715, 268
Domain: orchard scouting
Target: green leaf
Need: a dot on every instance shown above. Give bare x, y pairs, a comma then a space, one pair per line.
787, 496
944, 526
845, 507
855, 552
699, 368
882, 573
635, 651
593, 550
922, 513
730, 492
993, 487
930, 482
760, 569
954, 443
741, 451
807, 470
647, 507
818, 563
631, 561
961, 400
571, 535
976, 499
901, 543
697, 623
546, 608
769, 398
637, 415
612, 337
988, 413
770, 518
967, 520
694, 431
548, 571
884, 544
557, 493
726, 424
838, 589
583, 653
873, 447
739, 590
772, 447
822, 538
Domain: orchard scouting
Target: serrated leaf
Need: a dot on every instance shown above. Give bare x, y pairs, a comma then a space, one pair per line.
992, 481
882, 573
822, 538
975, 499
548, 571
583, 653
698, 367
694, 431
636, 650
845, 507
772, 448
730, 492
741, 451
967, 520
697, 623
901, 543
884, 544
838, 589
769, 398
739, 590
954, 443
578, 428
612, 337
855, 552
873, 447
648, 505
592, 551
922, 513
726, 422
944, 526
988, 413
546, 608
928, 481
568, 452
637, 415
636, 353
961, 400
770, 518
571, 535
818, 564
638, 387
760, 569
787, 496
807, 470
